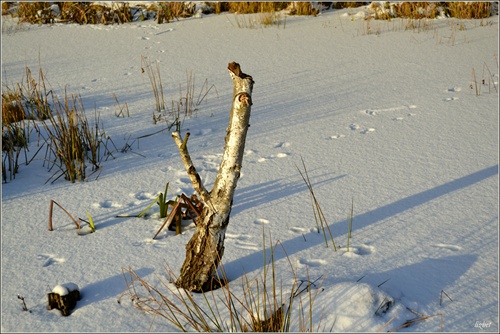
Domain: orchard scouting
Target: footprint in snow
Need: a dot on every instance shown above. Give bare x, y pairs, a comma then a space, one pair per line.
336, 137
246, 245
250, 152
454, 89
367, 131
374, 112
448, 99
299, 229
453, 248
49, 259
279, 155
261, 221
142, 195
361, 250
312, 262
107, 204
354, 126
240, 241
282, 145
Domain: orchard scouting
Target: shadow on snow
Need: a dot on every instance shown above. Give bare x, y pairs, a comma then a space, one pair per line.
251, 262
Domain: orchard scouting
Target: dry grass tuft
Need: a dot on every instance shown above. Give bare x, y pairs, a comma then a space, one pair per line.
166, 11
73, 144
261, 305
73, 141
21, 103
469, 10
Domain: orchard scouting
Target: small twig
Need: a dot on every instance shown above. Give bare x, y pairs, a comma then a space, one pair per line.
441, 299
383, 283
25, 308
416, 320
386, 324
475, 81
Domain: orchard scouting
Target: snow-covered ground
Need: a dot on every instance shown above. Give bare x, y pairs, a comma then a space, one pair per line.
381, 116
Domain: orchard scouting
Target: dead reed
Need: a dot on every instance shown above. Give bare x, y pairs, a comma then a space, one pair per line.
469, 10
262, 304
21, 103
165, 11
319, 216
73, 142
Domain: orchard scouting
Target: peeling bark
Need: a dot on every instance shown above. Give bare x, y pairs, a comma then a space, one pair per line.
206, 248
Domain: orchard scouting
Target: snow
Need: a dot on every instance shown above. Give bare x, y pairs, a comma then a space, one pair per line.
64, 289
382, 116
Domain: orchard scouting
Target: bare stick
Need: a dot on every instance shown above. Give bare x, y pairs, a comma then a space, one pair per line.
52, 202
191, 170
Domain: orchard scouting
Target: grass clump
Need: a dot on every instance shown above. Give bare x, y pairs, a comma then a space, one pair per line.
21, 103
73, 141
469, 10
166, 11
187, 103
73, 144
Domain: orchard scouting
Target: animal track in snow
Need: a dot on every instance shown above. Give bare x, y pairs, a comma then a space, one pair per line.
261, 221
374, 112
354, 126
49, 259
313, 262
237, 236
454, 89
367, 131
246, 245
107, 204
282, 145
250, 152
299, 229
279, 155
336, 137
273, 156
240, 241
355, 251
448, 99
142, 195
453, 248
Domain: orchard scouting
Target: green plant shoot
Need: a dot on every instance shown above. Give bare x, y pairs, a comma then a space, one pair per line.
91, 222
161, 200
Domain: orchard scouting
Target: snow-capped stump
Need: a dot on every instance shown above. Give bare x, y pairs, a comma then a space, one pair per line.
64, 297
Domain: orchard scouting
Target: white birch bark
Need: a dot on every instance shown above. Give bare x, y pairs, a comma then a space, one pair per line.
206, 248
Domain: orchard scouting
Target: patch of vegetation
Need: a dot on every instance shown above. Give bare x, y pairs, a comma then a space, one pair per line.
73, 144
40, 12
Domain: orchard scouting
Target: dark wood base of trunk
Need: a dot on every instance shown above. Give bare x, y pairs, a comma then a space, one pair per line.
63, 303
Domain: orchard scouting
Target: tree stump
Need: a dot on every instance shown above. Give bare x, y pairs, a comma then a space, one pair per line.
64, 297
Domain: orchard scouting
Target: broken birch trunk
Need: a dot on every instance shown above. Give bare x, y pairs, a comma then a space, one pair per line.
205, 249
